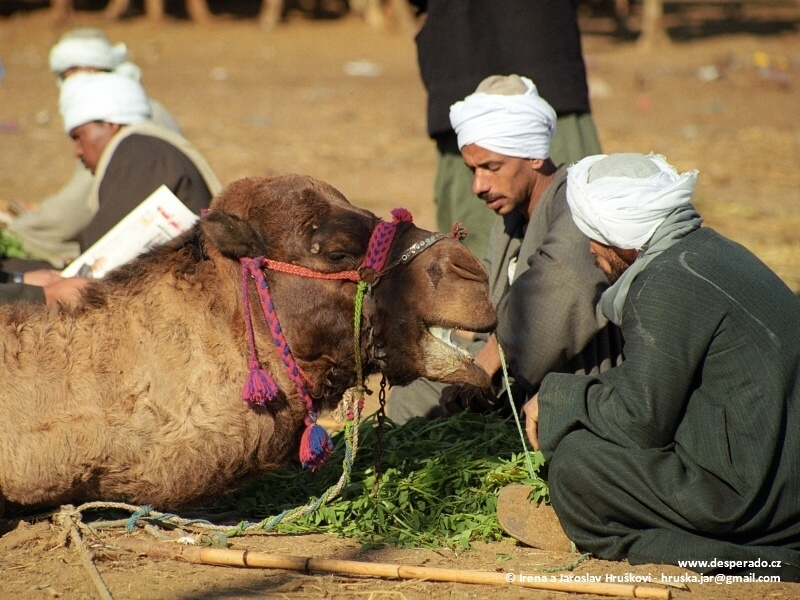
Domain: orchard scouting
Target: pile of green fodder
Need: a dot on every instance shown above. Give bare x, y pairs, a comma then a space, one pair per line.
437, 484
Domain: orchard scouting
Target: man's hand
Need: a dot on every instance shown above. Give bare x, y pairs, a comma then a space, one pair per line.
41, 277
65, 290
531, 410
488, 357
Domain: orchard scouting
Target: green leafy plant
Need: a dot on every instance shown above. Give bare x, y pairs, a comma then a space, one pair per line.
11, 246
436, 485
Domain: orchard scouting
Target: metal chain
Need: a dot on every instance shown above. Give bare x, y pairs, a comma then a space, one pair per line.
380, 415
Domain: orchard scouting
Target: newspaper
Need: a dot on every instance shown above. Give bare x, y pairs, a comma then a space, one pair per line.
159, 218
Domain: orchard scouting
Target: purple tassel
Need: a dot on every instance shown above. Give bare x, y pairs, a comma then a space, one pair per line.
259, 387
315, 446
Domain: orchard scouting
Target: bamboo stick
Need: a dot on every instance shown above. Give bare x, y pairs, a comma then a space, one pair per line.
264, 560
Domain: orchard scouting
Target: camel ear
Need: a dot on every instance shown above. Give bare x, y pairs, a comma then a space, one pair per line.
232, 236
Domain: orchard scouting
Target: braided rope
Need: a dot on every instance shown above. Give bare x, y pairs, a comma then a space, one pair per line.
276, 265
254, 266
528, 461
251, 343
379, 244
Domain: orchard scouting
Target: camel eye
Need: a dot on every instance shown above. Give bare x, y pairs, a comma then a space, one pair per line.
336, 256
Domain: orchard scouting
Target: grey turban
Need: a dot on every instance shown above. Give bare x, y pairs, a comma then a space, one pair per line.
621, 199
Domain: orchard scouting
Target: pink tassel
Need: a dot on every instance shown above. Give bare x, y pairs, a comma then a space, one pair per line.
259, 387
315, 446
401, 214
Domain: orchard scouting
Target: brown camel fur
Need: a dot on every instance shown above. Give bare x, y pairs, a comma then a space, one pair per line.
135, 394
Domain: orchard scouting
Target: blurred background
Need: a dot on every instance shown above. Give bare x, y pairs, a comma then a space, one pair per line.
332, 89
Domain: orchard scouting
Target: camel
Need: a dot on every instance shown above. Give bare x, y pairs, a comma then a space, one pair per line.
206, 359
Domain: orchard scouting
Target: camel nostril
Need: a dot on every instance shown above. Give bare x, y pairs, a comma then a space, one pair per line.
471, 270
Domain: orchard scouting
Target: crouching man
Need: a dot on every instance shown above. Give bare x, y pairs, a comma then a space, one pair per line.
690, 449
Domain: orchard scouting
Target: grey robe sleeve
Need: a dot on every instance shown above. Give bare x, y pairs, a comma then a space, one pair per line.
548, 315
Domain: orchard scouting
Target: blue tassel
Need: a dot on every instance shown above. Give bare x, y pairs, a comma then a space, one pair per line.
259, 387
315, 446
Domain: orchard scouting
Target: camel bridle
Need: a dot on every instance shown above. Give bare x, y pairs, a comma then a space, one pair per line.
260, 387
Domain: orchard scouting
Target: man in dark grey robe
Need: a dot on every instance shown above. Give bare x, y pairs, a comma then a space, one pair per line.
542, 278
690, 449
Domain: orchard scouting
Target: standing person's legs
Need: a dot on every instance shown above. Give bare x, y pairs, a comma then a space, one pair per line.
575, 138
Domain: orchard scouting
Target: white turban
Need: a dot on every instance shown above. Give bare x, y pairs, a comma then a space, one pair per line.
86, 48
626, 198
106, 97
519, 125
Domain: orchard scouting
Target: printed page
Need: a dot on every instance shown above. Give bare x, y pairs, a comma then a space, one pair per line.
159, 218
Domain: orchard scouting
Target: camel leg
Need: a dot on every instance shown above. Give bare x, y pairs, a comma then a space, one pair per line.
198, 11
154, 9
372, 13
622, 10
270, 15
116, 8
62, 10
653, 33
403, 15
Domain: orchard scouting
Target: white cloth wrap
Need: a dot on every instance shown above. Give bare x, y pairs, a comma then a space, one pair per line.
625, 211
129, 70
520, 125
106, 97
86, 52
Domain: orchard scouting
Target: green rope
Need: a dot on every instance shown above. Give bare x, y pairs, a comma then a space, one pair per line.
522, 437
362, 287
569, 566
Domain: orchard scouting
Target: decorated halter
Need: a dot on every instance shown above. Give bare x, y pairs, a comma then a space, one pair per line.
259, 387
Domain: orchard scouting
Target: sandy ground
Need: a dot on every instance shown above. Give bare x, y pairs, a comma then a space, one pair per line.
343, 102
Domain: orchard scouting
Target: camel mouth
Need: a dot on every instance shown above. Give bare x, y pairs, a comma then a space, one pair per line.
448, 362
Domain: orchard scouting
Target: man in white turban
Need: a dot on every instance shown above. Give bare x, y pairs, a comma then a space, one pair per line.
94, 108
689, 450
542, 277
85, 49
106, 114
46, 229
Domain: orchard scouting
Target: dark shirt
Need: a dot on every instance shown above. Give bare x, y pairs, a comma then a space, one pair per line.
139, 165
464, 41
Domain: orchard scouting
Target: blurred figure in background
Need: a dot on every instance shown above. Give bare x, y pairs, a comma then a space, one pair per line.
108, 117
46, 230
